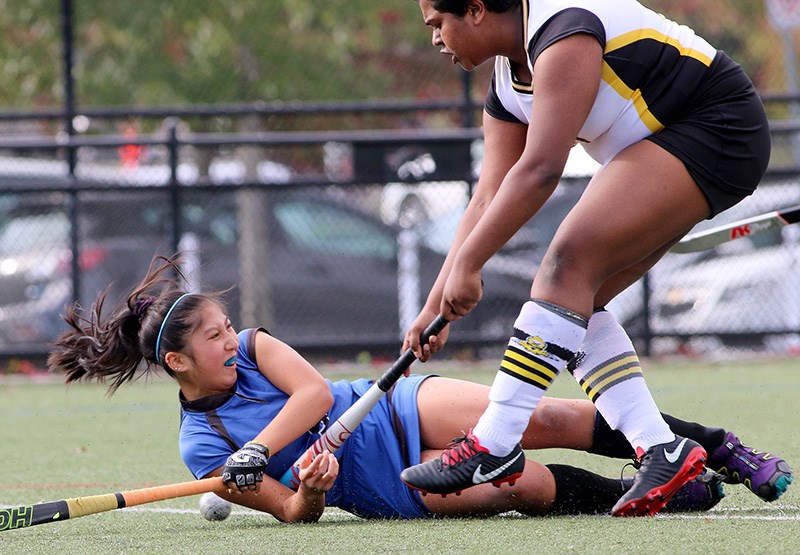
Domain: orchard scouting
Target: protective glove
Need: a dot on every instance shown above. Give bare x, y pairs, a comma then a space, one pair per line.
246, 466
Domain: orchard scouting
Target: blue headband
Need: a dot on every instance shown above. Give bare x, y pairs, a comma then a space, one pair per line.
164, 323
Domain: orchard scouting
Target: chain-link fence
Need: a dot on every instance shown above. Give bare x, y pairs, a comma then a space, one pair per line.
309, 247
343, 265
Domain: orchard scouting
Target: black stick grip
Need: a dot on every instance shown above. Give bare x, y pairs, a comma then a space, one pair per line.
31, 515
404, 362
790, 215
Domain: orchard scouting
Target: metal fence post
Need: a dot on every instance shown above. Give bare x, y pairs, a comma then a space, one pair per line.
69, 113
647, 332
468, 110
408, 286
173, 147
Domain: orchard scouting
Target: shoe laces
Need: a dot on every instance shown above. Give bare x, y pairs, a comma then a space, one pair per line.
636, 463
751, 454
459, 449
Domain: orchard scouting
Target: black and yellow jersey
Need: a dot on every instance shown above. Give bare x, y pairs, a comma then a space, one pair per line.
651, 68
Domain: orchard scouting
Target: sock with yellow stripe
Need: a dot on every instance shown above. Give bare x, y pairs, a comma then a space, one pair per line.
609, 372
545, 339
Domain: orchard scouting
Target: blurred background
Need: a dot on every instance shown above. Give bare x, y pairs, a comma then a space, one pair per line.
312, 160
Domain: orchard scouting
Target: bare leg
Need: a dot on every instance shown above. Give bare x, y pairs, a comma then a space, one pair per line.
561, 424
643, 201
617, 283
449, 407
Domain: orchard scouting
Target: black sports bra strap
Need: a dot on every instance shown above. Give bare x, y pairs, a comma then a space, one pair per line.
251, 342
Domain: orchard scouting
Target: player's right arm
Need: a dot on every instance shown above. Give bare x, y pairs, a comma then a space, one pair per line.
504, 142
304, 505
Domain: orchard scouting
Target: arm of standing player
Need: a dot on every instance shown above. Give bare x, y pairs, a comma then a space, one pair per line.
503, 144
567, 77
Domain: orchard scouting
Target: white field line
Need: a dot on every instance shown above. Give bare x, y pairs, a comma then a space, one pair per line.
776, 513
330, 511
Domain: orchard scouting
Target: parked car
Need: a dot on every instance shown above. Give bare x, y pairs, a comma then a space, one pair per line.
26, 172
331, 269
36, 260
733, 299
523, 253
417, 200
708, 296
734, 295
731, 296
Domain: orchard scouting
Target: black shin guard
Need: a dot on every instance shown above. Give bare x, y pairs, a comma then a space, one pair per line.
581, 492
709, 438
608, 442
612, 443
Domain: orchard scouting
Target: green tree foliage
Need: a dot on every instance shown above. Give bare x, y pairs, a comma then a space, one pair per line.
188, 51
739, 27
153, 52
30, 53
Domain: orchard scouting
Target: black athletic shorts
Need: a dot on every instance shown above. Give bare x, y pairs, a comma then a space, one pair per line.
723, 138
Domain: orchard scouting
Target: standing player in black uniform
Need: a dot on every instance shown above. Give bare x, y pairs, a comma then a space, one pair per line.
681, 134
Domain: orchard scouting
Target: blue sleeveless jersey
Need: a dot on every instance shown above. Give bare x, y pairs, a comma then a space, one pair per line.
370, 460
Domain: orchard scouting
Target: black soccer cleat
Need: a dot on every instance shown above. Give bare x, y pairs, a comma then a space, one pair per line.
663, 469
465, 464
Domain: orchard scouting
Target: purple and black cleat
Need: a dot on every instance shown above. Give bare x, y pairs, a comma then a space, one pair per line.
701, 494
764, 474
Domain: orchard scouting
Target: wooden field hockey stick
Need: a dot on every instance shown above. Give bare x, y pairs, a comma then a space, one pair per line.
343, 427
53, 511
709, 238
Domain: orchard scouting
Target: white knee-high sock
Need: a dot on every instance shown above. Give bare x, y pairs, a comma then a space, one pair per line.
609, 371
545, 339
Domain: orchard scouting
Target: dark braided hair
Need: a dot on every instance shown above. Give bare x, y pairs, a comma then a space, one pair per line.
115, 348
459, 7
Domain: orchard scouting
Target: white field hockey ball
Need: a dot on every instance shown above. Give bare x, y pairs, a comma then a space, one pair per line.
213, 507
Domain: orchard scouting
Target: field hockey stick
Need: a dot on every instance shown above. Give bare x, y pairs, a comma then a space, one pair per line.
703, 240
343, 427
53, 511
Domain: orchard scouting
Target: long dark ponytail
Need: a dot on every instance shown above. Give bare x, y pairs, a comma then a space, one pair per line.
116, 348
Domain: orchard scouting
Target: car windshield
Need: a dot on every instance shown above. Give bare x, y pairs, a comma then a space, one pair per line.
322, 228
35, 232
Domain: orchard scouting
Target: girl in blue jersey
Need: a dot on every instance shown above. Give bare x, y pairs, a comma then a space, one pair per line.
681, 135
251, 405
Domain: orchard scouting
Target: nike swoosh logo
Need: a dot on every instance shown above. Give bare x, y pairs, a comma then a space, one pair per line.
478, 477
672, 457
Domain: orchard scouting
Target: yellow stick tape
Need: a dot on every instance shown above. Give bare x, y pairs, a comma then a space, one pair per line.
83, 506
